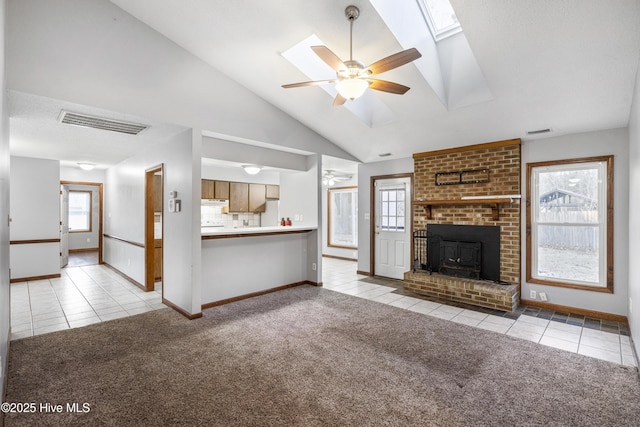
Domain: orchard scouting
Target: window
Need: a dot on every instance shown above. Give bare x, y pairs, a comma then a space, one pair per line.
343, 217
440, 18
79, 211
392, 209
569, 223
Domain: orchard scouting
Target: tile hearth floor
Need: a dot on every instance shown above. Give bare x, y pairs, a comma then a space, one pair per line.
82, 296
602, 339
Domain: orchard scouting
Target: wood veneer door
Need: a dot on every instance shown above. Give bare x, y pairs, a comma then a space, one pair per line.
208, 189
273, 191
221, 190
238, 197
257, 198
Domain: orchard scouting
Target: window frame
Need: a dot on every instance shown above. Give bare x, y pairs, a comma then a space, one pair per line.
606, 245
336, 190
83, 230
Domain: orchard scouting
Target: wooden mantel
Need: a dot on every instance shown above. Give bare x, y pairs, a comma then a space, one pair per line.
493, 202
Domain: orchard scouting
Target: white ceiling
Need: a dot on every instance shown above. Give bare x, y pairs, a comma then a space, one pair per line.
568, 65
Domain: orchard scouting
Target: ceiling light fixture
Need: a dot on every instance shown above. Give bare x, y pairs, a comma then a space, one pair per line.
252, 169
86, 166
352, 77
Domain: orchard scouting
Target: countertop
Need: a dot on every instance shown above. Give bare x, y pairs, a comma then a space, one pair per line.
220, 232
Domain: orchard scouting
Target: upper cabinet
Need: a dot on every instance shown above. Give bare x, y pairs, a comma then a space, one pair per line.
257, 198
215, 189
242, 196
207, 189
273, 191
238, 197
221, 190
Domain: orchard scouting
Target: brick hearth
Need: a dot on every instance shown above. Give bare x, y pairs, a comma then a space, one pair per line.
469, 291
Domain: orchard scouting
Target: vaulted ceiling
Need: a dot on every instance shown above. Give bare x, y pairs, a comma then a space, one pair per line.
566, 65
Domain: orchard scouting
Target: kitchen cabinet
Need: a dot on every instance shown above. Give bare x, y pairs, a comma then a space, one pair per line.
273, 192
208, 189
221, 190
238, 197
218, 190
257, 198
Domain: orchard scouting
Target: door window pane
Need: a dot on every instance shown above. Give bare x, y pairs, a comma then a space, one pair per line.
392, 209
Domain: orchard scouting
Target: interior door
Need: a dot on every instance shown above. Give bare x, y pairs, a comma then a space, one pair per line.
64, 225
392, 227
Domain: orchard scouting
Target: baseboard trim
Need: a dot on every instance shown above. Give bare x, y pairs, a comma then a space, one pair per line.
75, 251
28, 279
120, 273
363, 273
257, 294
344, 258
575, 310
181, 311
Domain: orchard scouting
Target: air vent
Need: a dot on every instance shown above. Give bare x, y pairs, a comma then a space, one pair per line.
94, 122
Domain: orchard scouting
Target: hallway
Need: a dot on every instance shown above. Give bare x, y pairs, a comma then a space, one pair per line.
82, 296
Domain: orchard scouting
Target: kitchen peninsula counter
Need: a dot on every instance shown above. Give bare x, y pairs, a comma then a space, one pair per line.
242, 262
223, 233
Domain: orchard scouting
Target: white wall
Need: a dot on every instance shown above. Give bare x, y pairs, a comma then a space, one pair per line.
76, 174
634, 219
299, 194
35, 215
365, 172
124, 217
5, 318
330, 250
152, 77
607, 142
214, 148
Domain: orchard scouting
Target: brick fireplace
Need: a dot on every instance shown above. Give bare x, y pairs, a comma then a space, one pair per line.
468, 186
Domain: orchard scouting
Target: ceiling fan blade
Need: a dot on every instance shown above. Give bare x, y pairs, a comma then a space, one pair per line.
386, 86
313, 83
330, 58
339, 100
394, 61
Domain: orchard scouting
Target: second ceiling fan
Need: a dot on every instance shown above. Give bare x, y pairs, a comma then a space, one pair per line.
352, 77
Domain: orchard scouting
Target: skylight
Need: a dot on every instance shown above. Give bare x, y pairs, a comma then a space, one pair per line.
440, 17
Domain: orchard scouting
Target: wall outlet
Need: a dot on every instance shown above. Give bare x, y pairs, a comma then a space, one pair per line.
630, 306
88, 239
296, 217
532, 294
543, 296
314, 266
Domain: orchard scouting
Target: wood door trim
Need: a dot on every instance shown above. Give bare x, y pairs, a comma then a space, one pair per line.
372, 210
100, 207
149, 234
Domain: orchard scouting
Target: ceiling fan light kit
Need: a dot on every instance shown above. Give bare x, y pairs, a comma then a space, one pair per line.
352, 77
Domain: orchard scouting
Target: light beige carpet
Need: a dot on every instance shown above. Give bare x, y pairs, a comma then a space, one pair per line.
309, 356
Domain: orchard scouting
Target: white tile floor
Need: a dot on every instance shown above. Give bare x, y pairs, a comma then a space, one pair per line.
341, 276
82, 296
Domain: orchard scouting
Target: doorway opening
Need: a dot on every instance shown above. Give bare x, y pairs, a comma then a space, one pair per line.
154, 228
391, 225
80, 223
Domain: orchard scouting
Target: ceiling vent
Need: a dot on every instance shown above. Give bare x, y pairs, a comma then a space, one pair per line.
94, 122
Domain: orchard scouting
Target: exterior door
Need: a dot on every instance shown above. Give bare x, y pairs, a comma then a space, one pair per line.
392, 227
64, 225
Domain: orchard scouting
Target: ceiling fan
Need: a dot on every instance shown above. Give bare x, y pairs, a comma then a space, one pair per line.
352, 77
330, 177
